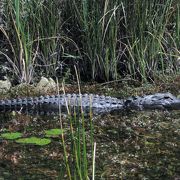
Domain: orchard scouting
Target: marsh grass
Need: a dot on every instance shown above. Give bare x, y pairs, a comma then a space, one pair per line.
98, 33
140, 37
79, 149
150, 43
36, 42
81, 142
107, 39
76, 158
19, 39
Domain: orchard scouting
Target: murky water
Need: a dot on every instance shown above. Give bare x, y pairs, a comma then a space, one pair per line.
140, 145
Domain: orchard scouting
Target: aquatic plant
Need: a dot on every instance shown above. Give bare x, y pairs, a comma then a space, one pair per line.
53, 132
34, 140
11, 135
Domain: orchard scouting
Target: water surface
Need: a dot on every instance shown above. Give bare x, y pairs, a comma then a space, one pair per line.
138, 145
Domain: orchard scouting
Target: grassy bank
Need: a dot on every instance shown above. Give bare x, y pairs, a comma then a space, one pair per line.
105, 40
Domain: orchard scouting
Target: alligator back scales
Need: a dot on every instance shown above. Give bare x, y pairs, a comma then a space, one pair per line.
88, 102
63, 102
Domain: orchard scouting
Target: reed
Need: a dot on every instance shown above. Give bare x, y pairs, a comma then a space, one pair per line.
80, 159
19, 39
149, 43
122, 36
77, 162
106, 39
98, 31
33, 33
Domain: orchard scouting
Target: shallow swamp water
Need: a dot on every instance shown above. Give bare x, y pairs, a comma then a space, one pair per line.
133, 145
138, 145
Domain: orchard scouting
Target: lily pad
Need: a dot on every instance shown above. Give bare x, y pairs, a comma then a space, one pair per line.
53, 132
34, 140
11, 135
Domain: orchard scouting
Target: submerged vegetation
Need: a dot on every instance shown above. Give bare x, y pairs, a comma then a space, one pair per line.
105, 40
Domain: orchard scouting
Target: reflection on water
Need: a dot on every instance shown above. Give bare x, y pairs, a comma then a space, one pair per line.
141, 145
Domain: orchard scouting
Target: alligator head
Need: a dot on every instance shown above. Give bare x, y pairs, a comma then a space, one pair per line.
155, 101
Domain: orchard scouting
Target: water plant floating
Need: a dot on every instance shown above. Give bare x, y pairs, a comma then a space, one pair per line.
11, 135
53, 132
34, 140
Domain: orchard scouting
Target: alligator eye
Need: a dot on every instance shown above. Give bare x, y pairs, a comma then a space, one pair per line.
167, 97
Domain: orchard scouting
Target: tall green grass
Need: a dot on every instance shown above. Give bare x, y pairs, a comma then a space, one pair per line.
105, 39
78, 164
136, 37
97, 25
2, 5
149, 44
80, 157
35, 37
20, 39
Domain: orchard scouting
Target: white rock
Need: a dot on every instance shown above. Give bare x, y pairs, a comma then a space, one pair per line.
5, 85
45, 85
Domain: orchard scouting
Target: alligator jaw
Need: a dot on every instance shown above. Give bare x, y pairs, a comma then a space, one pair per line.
162, 101
173, 105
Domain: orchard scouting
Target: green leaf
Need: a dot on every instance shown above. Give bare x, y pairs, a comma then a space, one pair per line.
11, 135
34, 140
53, 132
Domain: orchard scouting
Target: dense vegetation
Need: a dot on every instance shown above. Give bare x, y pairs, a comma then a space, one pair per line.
105, 40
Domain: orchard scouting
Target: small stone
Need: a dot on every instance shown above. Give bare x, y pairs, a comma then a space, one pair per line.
52, 83
5, 85
45, 85
43, 82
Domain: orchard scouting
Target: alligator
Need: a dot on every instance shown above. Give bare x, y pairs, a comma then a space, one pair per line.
86, 103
